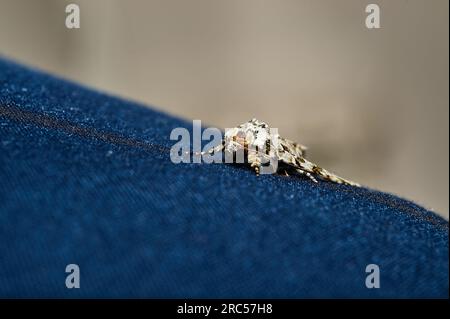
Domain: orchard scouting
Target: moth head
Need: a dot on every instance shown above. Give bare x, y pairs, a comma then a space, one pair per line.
251, 134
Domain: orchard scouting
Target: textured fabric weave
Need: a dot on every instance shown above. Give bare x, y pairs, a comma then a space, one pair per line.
86, 178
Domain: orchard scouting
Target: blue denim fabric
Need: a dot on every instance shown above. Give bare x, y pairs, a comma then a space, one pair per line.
85, 178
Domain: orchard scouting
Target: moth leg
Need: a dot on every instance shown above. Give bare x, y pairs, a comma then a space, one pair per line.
302, 172
255, 162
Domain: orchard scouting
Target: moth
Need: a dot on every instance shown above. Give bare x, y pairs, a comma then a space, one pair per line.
260, 145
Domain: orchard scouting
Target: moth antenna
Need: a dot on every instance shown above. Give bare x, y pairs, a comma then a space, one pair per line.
302, 172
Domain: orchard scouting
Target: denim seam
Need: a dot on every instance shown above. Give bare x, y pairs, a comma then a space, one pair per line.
43, 120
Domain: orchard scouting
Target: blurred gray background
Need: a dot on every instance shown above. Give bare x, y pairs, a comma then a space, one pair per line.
372, 105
